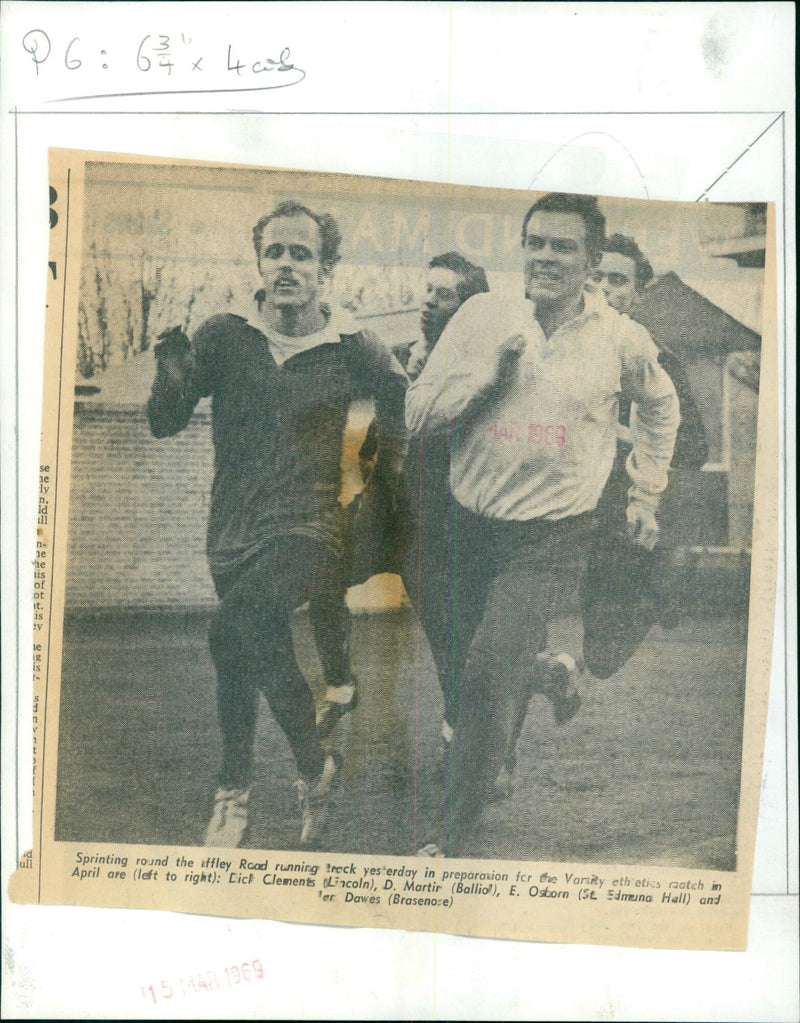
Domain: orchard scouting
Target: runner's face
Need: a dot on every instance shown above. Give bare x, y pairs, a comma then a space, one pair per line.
616, 276
441, 301
556, 260
289, 262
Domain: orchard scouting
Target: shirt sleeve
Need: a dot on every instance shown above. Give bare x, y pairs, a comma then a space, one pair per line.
173, 398
462, 367
655, 419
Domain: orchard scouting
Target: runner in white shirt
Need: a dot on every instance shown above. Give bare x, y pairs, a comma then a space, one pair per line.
530, 391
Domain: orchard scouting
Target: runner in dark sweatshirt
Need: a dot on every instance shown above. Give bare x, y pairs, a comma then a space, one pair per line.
281, 388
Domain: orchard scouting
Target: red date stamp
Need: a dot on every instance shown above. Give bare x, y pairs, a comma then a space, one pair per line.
203, 982
550, 434
512, 432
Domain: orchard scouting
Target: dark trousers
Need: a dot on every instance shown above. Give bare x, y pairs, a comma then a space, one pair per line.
427, 574
330, 620
509, 577
253, 651
427, 567
619, 581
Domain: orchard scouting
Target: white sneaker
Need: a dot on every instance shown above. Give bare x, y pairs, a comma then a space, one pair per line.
338, 701
229, 821
430, 850
314, 799
563, 674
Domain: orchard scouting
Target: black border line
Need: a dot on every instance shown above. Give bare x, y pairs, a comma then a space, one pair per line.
744, 152
17, 564
785, 512
53, 542
410, 113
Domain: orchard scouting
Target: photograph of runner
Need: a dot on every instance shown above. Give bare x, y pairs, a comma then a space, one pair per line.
460, 483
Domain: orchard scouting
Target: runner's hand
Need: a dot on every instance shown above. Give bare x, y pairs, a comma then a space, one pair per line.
416, 364
642, 526
174, 355
509, 352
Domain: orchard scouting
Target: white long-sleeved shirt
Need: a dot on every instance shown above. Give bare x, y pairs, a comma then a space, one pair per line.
543, 445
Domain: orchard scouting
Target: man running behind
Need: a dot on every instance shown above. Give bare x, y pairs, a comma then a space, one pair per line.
424, 566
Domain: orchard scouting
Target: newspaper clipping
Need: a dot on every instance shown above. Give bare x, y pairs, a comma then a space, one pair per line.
405, 553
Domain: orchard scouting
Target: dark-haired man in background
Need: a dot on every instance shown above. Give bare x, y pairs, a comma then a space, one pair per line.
622, 275
424, 563
281, 388
427, 571
532, 387
625, 586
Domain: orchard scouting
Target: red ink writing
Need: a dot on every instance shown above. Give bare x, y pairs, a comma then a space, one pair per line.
203, 982
550, 434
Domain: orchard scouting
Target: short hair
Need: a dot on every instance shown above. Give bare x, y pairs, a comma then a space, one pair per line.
627, 247
330, 238
569, 202
473, 278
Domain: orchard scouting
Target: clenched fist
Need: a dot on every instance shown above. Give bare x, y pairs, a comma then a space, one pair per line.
509, 352
174, 354
642, 526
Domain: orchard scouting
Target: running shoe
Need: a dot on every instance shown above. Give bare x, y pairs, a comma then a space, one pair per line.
338, 701
229, 821
561, 685
314, 799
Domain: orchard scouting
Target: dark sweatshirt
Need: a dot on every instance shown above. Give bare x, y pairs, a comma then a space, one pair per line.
278, 430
